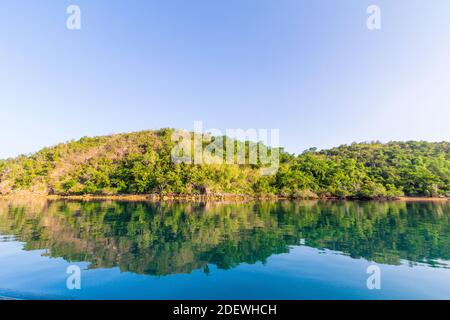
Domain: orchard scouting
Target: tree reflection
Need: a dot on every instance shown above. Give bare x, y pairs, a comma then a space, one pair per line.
170, 238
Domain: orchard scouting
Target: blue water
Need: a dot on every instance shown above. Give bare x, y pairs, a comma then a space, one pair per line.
307, 250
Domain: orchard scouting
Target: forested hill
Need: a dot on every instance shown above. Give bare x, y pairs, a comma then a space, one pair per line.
141, 163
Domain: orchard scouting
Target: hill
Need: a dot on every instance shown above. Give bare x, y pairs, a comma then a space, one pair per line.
141, 163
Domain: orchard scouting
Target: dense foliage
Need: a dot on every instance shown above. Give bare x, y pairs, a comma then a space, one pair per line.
141, 163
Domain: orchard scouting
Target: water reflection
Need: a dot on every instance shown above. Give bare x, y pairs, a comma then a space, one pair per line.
164, 238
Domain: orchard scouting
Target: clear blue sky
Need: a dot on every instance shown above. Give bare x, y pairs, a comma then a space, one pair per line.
310, 68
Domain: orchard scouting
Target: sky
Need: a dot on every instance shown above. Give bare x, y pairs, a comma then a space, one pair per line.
310, 68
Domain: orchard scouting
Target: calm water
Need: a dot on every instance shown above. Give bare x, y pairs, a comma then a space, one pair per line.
286, 250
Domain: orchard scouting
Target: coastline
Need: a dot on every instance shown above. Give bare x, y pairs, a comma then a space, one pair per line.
205, 198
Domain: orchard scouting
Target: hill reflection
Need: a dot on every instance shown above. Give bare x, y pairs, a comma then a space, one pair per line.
171, 238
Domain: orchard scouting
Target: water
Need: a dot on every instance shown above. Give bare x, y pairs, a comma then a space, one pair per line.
265, 250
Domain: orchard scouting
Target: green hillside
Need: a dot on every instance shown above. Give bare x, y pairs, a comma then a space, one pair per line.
141, 163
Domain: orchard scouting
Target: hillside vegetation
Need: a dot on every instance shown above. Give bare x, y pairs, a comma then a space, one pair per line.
141, 163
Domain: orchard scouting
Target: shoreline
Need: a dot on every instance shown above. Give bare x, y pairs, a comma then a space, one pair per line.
206, 198
423, 199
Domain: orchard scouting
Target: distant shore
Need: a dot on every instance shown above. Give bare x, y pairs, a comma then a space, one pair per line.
206, 198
